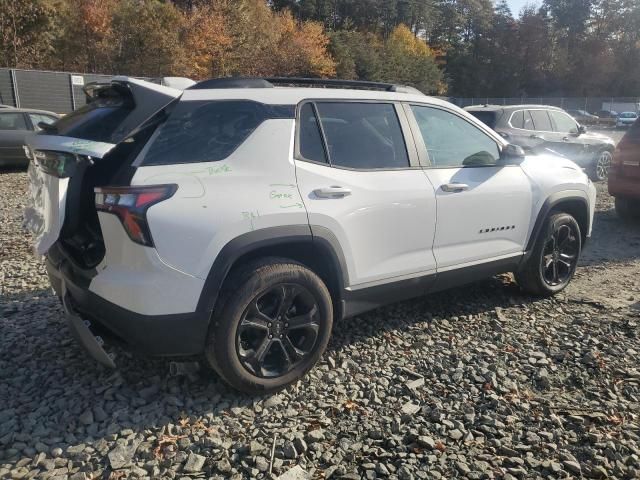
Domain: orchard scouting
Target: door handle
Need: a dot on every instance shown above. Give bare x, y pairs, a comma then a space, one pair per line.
536, 137
332, 192
454, 187
566, 139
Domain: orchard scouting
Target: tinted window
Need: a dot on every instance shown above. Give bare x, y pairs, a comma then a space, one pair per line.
12, 121
563, 122
488, 118
541, 120
199, 131
452, 141
97, 121
36, 118
628, 115
517, 119
363, 135
311, 146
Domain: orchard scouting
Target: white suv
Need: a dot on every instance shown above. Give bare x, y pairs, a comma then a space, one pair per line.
247, 216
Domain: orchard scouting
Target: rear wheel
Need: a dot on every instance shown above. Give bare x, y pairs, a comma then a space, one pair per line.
554, 258
601, 166
628, 210
273, 325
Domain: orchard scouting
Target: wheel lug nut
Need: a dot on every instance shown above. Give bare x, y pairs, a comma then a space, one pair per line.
270, 336
280, 335
269, 325
286, 324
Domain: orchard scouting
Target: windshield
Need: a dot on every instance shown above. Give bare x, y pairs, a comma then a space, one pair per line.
488, 118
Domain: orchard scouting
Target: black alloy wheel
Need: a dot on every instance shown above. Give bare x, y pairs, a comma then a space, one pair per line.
560, 255
278, 330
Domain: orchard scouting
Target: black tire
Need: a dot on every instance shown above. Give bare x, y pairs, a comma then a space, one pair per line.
252, 343
627, 210
601, 165
554, 258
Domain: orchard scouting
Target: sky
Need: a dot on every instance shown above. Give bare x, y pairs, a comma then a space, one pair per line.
516, 5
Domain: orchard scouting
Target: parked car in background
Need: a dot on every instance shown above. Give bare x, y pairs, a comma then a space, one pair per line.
5, 106
242, 220
626, 119
606, 117
624, 175
15, 125
583, 117
542, 128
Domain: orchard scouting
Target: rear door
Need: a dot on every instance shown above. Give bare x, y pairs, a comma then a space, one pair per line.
523, 132
360, 180
84, 136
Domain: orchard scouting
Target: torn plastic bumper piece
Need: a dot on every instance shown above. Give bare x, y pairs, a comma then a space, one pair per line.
81, 331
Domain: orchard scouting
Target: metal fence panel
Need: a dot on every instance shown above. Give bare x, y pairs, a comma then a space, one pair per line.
45, 90
6, 88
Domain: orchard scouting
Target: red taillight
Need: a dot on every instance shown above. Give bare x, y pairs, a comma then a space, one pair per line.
130, 205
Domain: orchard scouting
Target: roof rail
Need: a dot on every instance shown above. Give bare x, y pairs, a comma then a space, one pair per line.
268, 82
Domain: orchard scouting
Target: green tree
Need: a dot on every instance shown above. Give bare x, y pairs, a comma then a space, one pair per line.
25, 36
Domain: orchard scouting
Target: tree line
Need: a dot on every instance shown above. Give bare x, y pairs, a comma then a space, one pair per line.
455, 47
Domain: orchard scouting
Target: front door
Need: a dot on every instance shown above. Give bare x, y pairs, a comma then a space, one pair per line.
358, 180
483, 208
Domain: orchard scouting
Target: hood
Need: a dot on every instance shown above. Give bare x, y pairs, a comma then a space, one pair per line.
550, 160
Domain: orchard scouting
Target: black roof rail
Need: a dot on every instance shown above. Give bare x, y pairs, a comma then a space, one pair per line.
231, 82
268, 82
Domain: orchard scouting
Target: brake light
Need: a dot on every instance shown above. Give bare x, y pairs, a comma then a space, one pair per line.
130, 205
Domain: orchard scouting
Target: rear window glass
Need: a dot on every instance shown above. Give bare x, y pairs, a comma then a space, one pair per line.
12, 121
488, 118
208, 131
98, 121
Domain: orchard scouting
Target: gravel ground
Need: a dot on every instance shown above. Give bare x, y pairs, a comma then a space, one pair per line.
478, 382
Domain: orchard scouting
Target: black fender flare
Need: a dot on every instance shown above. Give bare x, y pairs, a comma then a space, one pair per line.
316, 237
549, 204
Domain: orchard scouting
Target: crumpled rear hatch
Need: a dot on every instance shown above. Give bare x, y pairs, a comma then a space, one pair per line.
65, 157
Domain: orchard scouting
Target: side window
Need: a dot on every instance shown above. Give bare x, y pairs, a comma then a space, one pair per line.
517, 119
36, 118
452, 141
563, 122
204, 131
311, 146
528, 121
12, 121
541, 120
363, 135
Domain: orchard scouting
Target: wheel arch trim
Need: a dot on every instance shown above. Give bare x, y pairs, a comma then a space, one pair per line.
553, 201
315, 237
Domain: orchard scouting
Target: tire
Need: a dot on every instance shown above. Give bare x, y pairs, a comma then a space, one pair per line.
554, 258
627, 210
252, 343
600, 169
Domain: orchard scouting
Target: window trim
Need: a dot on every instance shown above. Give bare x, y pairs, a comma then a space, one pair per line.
550, 119
424, 152
409, 141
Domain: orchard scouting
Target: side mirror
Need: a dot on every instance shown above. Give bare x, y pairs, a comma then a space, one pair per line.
582, 129
512, 154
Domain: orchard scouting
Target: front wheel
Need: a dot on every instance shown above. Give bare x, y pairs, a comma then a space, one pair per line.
601, 166
272, 326
554, 258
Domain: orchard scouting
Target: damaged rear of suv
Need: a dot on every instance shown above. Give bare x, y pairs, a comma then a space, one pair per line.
243, 216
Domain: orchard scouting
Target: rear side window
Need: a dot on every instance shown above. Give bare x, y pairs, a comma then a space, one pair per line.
311, 146
488, 118
208, 131
528, 121
517, 119
358, 135
541, 120
36, 118
12, 121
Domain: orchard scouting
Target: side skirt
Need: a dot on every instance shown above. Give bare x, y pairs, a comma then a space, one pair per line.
362, 300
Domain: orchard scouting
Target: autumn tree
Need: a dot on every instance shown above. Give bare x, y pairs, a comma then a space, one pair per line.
25, 36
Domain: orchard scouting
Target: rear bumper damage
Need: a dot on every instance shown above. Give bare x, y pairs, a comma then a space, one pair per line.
92, 319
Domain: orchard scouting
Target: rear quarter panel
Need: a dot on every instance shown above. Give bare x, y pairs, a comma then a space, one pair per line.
254, 188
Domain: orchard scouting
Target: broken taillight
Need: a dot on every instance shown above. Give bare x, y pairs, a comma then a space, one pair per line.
130, 205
